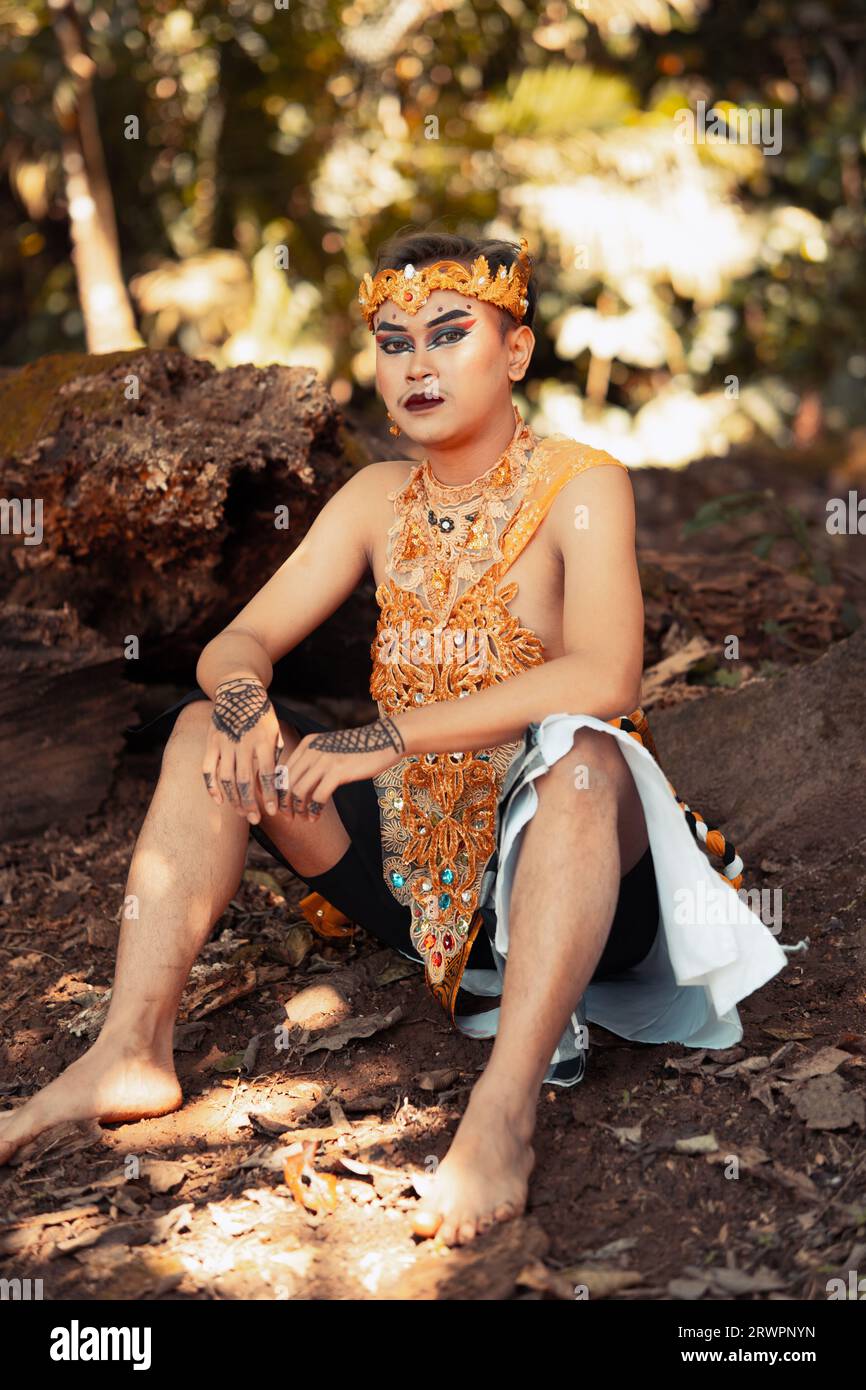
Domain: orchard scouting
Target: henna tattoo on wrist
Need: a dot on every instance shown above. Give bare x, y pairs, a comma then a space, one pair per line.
393, 733
368, 738
239, 705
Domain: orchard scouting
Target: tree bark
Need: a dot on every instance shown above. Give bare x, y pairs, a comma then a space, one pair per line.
109, 321
64, 703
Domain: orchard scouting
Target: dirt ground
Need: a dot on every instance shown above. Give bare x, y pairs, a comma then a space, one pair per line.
668, 1173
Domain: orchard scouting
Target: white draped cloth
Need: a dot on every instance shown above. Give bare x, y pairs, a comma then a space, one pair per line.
710, 951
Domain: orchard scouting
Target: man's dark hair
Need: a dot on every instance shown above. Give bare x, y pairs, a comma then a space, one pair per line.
423, 248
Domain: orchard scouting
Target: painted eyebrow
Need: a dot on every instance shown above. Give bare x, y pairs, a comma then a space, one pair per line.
444, 318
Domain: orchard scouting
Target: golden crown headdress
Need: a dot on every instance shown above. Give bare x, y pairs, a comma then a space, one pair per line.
410, 288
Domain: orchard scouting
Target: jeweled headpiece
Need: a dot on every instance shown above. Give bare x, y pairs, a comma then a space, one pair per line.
410, 288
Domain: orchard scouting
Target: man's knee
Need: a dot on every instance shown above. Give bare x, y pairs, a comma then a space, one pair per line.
194, 715
189, 729
594, 762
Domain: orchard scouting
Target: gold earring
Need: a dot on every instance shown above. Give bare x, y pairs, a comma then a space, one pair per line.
395, 429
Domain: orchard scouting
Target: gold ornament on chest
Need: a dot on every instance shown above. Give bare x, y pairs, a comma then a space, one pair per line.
438, 811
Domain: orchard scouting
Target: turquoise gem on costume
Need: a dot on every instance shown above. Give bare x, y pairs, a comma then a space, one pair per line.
484, 757
397, 879
444, 899
447, 875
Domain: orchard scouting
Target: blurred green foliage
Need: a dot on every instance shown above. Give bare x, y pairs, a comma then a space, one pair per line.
691, 293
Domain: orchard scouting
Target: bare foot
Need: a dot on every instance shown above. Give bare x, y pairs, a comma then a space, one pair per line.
109, 1083
484, 1177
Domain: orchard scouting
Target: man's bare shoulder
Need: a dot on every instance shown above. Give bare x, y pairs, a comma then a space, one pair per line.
600, 487
367, 499
376, 482
378, 479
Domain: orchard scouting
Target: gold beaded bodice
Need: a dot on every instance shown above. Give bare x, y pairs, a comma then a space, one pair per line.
444, 631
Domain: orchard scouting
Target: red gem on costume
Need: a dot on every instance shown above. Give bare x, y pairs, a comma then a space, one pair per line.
448, 941
429, 940
437, 958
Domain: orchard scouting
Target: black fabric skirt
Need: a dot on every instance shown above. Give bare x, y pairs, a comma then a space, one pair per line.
356, 884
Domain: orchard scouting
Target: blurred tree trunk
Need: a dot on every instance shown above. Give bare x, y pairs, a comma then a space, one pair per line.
108, 316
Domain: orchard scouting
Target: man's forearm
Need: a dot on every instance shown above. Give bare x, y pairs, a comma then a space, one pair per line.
570, 684
230, 655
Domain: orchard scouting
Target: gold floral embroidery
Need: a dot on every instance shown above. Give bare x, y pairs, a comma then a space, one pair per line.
438, 811
432, 561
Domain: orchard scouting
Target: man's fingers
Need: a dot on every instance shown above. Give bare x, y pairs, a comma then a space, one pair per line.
229, 790
245, 781
310, 792
320, 795
281, 782
266, 775
210, 771
226, 773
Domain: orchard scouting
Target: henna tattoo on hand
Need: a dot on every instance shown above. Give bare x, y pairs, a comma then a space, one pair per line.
281, 782
267, 786
244, 789
228, 788
368, 738
239, 705
208, 779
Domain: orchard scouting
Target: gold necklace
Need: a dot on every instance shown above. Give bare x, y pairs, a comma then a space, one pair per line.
421, 554
447, 557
